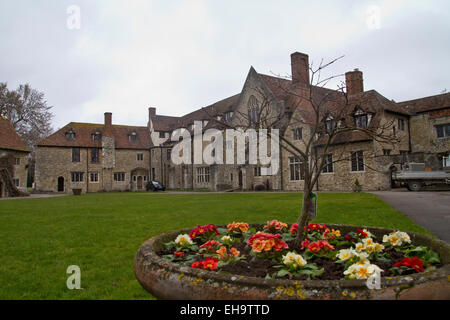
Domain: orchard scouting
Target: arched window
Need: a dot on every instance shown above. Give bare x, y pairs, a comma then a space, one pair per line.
253, 110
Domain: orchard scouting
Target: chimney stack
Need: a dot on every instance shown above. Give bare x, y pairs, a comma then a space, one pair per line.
354, 82
300, 69
108, 124
151, 111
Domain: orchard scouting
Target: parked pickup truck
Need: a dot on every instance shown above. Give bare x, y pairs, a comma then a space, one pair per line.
415, 177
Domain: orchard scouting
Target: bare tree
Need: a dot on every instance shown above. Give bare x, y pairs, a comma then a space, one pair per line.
27, 111
327, 113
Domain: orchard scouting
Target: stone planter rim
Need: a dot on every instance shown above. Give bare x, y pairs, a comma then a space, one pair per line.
151, 257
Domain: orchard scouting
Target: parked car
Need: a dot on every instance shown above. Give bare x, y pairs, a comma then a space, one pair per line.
155, 186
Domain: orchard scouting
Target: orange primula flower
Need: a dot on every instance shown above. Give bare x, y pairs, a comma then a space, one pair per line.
238, 227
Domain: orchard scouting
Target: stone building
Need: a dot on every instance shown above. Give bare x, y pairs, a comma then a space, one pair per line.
13, 161
430, 131
93, 158
106, 157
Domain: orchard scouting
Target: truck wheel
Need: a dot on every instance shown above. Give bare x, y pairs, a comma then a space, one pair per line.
415, 185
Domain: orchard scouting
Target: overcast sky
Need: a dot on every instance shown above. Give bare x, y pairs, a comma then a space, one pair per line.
178, 56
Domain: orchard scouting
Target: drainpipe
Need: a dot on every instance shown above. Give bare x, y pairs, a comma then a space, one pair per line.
87, 170
409, 135
161, 168
281, 167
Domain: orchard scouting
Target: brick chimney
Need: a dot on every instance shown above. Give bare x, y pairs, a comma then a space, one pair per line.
300, 69
354, 82
108, 124
151, 111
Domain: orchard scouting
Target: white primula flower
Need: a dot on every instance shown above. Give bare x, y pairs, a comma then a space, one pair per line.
397, 238
226, 239
362, 271
345, 254
293, 259
183, 239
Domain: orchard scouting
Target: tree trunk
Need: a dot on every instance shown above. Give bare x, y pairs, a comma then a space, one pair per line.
303, 219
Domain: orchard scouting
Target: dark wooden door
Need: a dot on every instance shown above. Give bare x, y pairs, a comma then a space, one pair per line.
60, 184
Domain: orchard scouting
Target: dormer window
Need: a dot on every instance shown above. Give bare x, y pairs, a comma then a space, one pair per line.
362, 119
96, 136
330, 124
70, 135
132, 136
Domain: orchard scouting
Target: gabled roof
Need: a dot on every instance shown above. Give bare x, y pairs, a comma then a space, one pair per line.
426, 104
84, 131
9, 139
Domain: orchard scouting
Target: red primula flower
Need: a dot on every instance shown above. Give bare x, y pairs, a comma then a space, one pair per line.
210, 245
305, 244
178, 254
362, 234
294, 229
320, 246
204, 231
413, 263
210, 263
196, 264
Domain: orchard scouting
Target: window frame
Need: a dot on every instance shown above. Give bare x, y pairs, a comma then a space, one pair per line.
296, 169
357, 157
76, 154
95, 174
119, 176
297, 133
329, 165
203, 174
77, 176
95, 157
445, 131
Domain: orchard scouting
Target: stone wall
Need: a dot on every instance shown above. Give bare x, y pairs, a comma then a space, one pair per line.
423, 132
19, 166
54, 166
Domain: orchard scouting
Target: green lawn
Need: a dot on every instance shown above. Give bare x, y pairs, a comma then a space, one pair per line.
101, 233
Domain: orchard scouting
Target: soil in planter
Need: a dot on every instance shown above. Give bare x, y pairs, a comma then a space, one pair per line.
256, 267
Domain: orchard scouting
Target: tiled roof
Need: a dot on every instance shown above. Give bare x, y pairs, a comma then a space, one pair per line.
9, 139
84, 131
426, 104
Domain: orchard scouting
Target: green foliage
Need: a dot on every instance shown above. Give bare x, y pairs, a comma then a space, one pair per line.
310, 270
427, 255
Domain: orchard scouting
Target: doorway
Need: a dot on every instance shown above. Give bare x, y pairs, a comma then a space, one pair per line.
240, 179
139, 182
1, 189
61, 184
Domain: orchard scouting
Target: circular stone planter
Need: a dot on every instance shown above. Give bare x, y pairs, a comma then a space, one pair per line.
167, 280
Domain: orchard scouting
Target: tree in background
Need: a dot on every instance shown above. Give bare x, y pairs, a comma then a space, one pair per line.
27, 111
29, 114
